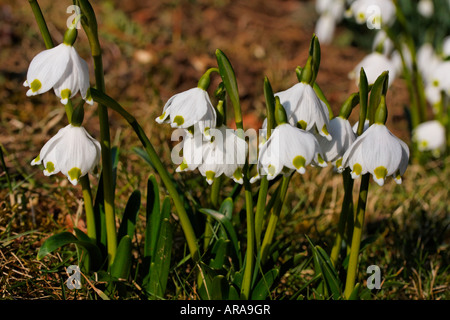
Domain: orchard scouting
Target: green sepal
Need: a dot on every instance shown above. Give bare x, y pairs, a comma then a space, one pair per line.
347, 107
280, 113
379, 89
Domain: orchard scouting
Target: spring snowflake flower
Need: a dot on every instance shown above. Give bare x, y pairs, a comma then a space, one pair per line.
430, 136
288, 148
425, 8
71, 151
343, 137
189, 108
304, 107
225, 153
330, 13
375, 13
62, 69
379, 152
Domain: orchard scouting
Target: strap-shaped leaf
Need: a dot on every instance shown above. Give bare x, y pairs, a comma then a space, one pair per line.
262, 288
228, 227
153, 216
65, 238
120, 268
130, 215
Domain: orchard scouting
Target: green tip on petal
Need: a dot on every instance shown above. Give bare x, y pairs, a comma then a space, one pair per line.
271, 169
237, 175
357, 169
302, 124
36, 160
183, 166
338, 163
35, 85
50, 167
398, 178
380, 172
299, 163
210, 176
179, 120
325, 130
74, 174
321, 161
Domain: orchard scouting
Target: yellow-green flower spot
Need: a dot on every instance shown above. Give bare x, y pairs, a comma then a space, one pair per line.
339, 163
357, 169
435, 83
299, 162
325, 130
183, 165
380, 172
424, 144
271, 169
302, 124
361, 16
74, 173
65, 94
210, 175
179, 120
88, 95
35, 85
162, 116
37, 159
237, 174
320, 159
50, 167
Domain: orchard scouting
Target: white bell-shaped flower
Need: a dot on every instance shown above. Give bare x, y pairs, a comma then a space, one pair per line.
425, 8
355, 126
288, 148
430, 136
374, 13
72, 151
62, 69
189, 108
305, 108
225, 153
374, 64
343, 137
379, 152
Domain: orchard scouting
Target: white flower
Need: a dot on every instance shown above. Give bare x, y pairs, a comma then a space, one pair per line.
382, 43
343, 137
189, 108
427, 60
446, 47
379, 152
373, 12
225, 153
374, 64
325, 27
71, 151
288, 148
304, 107
425, 8
62, 69
430, 136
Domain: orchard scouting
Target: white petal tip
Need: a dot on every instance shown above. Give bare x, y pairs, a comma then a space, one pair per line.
64, 101
210, 181
74, 181
240, 180
25, 83
398, 180
354, 175
380, 182
89, 102
301, 170
254, 179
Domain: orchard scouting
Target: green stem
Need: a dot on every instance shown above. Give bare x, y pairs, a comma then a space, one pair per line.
275, 215
88, 206
356, 237
41, 23
90, 27
215, 192
247, 280
186, 225
260, 210
345, 212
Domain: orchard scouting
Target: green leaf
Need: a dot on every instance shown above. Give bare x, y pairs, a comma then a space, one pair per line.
219, 251
65, 238
160, 266
262, 288
128, 224
153, 216
229, 80
120, 268
228, 227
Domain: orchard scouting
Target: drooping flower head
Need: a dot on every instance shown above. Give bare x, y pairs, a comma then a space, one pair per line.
430, 136
378, 152
288, 149
303, 107
72, 151
62, 69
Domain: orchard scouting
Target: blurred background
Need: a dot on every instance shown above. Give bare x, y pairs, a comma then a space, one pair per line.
154, 49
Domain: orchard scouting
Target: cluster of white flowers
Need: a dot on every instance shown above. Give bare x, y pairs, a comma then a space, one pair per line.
72, 151
307, 137
213, 150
